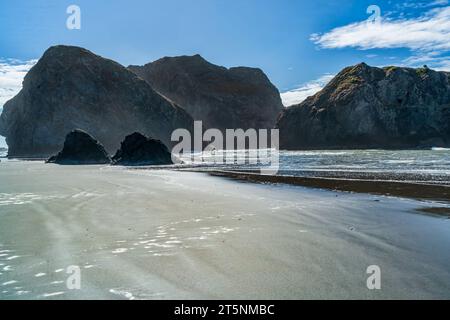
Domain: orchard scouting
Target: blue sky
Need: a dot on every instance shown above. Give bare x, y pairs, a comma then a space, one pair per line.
299, 44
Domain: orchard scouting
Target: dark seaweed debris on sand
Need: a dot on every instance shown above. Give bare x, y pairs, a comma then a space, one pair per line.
389, 188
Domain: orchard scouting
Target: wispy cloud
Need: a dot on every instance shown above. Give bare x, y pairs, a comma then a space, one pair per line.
421, 4
12, 72
427, 36
429, 32
298, 95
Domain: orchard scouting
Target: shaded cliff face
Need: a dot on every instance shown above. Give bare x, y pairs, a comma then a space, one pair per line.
222, 98
367, 107
72, 88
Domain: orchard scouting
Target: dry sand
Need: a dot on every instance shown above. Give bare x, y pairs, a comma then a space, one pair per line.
161, 234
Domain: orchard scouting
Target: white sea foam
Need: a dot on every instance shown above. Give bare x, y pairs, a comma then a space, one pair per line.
53, 294
39, 275
120, 250
122, 293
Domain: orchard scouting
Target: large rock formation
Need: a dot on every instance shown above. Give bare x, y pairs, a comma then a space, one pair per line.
367, 107
222, 98
81, 148
138, 150
71, 88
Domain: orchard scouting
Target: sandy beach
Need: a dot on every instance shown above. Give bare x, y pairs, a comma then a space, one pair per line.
163, 234
414, 190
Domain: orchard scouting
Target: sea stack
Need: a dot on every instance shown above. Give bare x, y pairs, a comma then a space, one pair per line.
81, 149
139, 150
365, 107
222, 98
72, 88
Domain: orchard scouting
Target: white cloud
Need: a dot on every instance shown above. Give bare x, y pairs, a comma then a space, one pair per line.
428, 32
12, 72
433, 59
298, 95
444, 65
419, 5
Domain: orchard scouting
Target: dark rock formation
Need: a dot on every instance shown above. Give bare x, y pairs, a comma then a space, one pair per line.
222, 98
367, 107
71, 88
138, 150
81, 148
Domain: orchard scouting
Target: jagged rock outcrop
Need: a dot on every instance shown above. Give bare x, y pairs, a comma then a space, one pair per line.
81, 148
222, 98
368, 107
71, 88
138, 150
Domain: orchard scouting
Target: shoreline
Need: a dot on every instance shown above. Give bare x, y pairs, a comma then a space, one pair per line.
129, 231
370, 185
417, 191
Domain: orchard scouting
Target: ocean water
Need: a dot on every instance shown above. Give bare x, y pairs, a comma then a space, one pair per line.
430, 166
424, 166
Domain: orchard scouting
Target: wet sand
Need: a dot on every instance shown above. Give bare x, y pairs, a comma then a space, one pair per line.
436, 210
421, 191
161, 234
